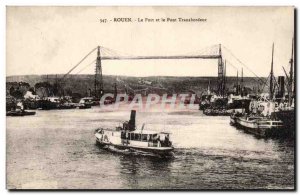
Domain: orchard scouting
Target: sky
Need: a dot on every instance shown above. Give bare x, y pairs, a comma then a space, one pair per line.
51, 40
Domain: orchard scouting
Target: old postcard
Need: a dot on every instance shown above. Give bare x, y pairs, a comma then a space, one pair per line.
150, 98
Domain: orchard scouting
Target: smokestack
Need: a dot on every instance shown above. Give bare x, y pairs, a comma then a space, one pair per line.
281, 86
131, 123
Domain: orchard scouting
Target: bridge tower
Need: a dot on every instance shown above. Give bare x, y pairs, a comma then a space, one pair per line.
220, 73
98, 76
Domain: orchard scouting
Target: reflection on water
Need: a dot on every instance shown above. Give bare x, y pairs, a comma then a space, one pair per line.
56, 149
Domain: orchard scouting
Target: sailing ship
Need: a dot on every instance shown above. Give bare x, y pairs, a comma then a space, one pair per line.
127, 137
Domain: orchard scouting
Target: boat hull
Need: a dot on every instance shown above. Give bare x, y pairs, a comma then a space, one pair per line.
162, 151
46, 105
233, 120
216, 112
288, 119
85, 106
258, 128
16, 113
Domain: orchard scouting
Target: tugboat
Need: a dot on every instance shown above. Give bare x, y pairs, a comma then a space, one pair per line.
127, 137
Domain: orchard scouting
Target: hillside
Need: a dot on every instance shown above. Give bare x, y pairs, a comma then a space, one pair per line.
162, 84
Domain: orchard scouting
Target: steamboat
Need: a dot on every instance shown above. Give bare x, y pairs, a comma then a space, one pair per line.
127, 137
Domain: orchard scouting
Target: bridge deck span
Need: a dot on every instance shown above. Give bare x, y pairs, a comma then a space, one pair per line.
161, 57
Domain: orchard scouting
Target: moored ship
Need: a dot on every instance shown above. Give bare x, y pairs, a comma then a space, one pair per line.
85, 103
286, 110
18, 110
261, 118
261, 126
287, 116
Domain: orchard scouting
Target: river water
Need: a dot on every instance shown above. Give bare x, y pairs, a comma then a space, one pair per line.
56, 149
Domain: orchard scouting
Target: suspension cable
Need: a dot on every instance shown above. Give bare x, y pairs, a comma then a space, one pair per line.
79, 63
86, 67
243, 64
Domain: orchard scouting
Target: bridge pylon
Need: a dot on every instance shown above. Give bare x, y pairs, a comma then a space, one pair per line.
220, 87
98, 84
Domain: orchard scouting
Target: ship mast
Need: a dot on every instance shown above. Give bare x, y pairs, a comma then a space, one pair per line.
291, 91
242, 84
237, 82
271, 76
224, 87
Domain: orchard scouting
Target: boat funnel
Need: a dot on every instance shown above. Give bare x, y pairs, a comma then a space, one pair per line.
131, 123
281, 86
